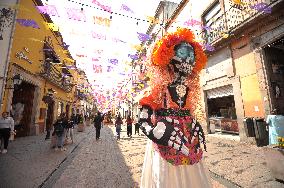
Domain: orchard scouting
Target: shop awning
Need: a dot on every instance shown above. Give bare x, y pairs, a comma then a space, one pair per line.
220, 92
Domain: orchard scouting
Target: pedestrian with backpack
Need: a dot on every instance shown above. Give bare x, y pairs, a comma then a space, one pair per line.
59, 131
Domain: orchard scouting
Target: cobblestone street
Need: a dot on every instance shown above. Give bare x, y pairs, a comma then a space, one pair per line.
109, 163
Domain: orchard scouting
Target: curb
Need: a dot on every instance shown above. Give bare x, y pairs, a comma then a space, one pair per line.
223, 180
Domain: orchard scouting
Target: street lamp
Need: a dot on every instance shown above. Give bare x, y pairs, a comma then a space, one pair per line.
17, 80
50, 92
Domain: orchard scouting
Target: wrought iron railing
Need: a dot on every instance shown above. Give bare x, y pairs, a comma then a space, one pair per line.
53, 75
235, 16
80, 95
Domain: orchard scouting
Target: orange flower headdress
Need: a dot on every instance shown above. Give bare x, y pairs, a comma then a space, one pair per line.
163, 50
162, 54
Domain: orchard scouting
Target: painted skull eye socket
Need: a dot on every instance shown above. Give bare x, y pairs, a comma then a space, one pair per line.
184, 50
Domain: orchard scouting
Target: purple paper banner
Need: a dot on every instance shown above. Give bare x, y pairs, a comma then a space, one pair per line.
134, 57
143, 37
209, 47
126, 8
28, 23
262, 7
113, 61
109, 68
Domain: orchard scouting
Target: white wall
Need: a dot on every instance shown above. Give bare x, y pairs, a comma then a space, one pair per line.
5, 46
192, 10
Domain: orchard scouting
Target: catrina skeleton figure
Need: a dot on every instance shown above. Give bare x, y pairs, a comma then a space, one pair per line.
175, 134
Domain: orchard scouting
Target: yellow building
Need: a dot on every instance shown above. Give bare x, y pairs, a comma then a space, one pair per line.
43, 64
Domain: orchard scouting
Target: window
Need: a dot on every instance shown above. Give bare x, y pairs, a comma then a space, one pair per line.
214, 13
213, 22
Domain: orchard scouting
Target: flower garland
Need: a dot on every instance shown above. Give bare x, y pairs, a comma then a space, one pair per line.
163, 50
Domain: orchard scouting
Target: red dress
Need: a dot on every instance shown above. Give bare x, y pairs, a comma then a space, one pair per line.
170, 109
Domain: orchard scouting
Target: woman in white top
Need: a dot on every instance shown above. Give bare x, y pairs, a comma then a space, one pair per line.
6, 127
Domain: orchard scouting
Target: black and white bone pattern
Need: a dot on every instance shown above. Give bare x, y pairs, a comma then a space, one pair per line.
164, 133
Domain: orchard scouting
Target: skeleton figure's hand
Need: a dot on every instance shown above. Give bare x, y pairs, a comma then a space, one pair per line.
164, 133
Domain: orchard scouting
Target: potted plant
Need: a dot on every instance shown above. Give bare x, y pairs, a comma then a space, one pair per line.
81, 125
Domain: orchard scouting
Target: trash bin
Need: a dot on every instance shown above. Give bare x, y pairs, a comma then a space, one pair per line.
261, 132
212, 126
249, 127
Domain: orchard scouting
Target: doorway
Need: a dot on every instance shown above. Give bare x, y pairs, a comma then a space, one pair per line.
49, 118
22, 108
274, 54
67, 110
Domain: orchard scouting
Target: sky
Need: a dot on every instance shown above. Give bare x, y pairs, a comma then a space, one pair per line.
106, 44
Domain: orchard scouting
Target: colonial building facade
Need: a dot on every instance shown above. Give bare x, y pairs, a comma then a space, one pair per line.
47, 72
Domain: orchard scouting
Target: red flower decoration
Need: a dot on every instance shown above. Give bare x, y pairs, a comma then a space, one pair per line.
163, 50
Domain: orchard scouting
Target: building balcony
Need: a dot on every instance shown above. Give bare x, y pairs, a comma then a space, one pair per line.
53, 75
80, 95
236, 18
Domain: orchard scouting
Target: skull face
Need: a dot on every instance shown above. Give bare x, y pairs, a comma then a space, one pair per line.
185, 51
184, 59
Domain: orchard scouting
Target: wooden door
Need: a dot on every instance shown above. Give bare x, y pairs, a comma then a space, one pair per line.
24, 94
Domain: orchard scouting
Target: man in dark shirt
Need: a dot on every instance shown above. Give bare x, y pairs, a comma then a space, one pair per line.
98, 124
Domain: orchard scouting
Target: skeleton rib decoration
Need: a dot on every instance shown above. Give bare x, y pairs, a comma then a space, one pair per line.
176, 134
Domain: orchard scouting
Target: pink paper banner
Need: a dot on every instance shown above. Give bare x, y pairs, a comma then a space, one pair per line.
106, 8
48, 9
76, 14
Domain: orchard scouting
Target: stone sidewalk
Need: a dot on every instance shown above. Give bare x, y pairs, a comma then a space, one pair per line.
30, 160
241, 163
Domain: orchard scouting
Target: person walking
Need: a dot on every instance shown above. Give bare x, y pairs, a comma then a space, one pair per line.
70, 128
59, 131
118, 123
129, 122
137, 125
6, 127
103, 117
98, 125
